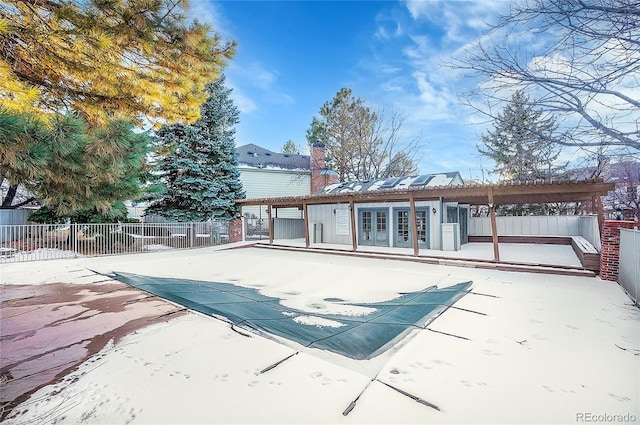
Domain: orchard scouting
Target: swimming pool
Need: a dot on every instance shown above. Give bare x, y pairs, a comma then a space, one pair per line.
376, 328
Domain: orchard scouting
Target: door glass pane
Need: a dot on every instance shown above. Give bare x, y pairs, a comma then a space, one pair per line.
366, 225
464, 236
452, 214
402, 218
381, 226
421, 223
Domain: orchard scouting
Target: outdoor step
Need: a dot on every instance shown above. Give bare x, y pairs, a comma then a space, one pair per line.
445, 261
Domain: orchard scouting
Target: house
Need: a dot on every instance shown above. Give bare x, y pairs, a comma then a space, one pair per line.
390, 224
264, 173
419, 212
623, 203
387, 222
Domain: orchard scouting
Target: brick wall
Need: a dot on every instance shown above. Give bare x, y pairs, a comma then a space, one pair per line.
317, 165
235, 230
610, 254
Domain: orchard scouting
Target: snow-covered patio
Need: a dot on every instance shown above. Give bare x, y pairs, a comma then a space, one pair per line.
548, 254
519, 348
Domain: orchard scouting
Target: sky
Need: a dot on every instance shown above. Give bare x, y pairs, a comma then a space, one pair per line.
293, 56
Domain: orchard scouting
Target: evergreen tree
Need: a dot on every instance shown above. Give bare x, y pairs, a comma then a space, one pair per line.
69, 167
100, 58
200, 173
519, 142
290, 148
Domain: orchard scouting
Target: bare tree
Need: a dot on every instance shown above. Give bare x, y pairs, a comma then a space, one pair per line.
625, 199
576, 59
362, 144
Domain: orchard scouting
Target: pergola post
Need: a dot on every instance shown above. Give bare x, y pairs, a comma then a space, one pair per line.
598, 200
305, 211
414, 224
352, 209
270, 224
494, 227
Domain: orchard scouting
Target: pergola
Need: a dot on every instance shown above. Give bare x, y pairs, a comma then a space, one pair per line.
589, 191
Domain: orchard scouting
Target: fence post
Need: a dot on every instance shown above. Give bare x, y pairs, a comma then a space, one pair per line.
142, 236
73, 233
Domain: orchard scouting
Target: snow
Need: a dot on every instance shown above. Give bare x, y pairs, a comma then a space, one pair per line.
520, 348
317, 321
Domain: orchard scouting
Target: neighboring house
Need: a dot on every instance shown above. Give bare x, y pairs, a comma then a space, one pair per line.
266, 174
22, 206
624, 202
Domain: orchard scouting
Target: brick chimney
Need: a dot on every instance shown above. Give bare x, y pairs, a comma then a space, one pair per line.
320, 176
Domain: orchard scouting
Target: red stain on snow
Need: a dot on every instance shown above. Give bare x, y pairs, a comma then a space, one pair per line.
47, 331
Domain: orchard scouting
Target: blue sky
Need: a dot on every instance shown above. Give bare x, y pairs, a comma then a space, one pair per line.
293, 56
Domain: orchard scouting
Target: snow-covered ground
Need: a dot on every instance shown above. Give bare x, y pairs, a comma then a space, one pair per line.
520, 348
559, 255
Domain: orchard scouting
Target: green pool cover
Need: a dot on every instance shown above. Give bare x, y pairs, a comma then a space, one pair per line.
358, 337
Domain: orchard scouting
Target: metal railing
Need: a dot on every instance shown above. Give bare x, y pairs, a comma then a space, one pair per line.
33, 242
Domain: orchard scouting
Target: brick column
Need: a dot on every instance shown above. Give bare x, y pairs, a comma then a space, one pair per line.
235, 230
610, 254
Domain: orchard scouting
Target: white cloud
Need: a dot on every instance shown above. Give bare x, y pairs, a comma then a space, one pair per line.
260, 76
389, 25
244, 104
392, 86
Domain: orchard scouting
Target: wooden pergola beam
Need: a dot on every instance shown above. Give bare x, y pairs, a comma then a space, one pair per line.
512, 193
354, 240
270, 223
494, 226
305, 211
414, 222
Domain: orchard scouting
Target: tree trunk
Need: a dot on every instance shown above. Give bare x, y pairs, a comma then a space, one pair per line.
8, 200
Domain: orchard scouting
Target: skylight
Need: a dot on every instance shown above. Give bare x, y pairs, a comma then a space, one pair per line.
389, 183
422, 180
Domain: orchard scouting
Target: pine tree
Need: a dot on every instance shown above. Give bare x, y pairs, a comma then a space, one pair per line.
99, 59
290, 148
200, 174
70, 167
518, 143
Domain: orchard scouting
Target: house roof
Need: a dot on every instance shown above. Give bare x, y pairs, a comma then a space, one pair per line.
254, 156
394, 183
538, 191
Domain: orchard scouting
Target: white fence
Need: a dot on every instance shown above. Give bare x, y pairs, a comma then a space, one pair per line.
549, 225
49, 241
288, 228
629, 274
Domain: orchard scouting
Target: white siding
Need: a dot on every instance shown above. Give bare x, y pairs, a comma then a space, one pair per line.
16, 216
272, 184
324, 214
